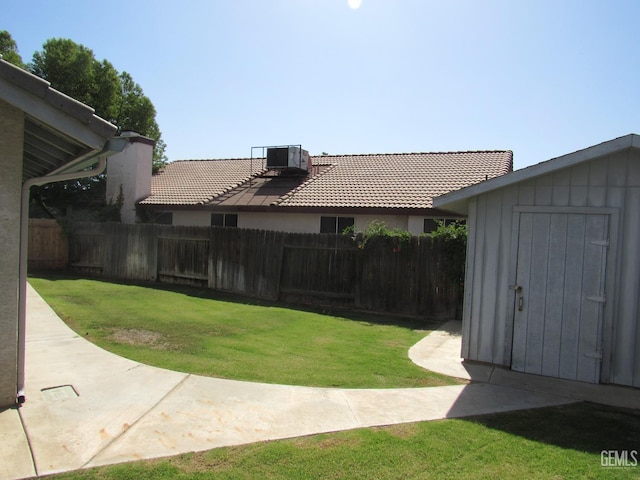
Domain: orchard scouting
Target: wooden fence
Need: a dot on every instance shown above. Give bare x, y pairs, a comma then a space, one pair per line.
320, 269
48, 245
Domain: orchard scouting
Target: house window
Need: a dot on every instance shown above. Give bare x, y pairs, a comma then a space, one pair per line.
164, 218
335, 224
431, 224
224, 219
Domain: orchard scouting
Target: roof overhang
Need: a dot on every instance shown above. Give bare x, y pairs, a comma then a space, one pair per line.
457, 201
419, 212
58, 131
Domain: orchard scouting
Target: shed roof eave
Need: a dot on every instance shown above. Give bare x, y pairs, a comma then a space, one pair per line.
456, 201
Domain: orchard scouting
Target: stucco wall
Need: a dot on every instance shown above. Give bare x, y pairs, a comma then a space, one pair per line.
613, 181
129, 172
292, 222
11, 142
191, 218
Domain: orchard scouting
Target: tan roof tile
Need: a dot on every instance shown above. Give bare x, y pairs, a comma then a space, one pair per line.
406, 180
194, 182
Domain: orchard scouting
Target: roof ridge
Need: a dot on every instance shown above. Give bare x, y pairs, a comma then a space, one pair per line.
442, 152
212, 159
318, 157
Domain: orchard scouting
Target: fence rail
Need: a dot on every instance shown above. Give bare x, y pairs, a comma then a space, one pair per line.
321, 269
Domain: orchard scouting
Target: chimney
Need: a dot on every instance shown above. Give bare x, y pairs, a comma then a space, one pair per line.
129, 173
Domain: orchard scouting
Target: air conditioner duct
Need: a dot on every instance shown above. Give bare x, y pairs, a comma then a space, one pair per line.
288, 158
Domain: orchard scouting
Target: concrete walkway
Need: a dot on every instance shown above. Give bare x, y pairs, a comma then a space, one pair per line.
440, 352
87, 407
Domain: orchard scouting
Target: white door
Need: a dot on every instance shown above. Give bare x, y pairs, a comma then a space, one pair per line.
559, 295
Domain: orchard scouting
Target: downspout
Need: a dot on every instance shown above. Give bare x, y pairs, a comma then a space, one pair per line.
112, 147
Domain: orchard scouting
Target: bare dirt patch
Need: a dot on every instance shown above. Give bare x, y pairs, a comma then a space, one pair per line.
146, 338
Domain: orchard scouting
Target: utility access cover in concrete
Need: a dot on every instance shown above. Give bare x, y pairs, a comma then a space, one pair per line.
61, 392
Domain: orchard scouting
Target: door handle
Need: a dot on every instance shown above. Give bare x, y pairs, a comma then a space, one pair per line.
518, 290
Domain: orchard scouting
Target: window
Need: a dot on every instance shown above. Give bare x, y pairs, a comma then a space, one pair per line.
335, 224
430, 224
230, 219
164, 218
224, 219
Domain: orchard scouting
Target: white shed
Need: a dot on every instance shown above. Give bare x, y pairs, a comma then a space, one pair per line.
553, 266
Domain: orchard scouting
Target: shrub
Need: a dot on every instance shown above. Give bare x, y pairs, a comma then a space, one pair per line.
378, 230
454, 237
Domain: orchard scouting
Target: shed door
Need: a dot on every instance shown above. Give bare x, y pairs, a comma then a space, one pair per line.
559, 295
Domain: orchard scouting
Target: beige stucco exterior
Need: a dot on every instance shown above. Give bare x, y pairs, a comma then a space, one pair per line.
129, 175
298, 222
11, 144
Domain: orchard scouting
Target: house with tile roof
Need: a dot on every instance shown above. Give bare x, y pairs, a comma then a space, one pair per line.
335, 192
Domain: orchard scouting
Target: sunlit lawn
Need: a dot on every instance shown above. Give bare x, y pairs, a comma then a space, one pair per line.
198, 331
549, 443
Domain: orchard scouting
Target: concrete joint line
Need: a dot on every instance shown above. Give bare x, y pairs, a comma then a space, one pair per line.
353, 414
489, 380
123, 433
26, 434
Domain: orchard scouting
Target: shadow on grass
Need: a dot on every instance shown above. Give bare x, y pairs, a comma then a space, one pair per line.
586, 427
373, 318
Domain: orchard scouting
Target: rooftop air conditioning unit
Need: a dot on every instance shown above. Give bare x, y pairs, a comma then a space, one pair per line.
285, 158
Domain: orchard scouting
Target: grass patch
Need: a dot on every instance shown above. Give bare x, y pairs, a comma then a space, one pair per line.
198, 331
549, 443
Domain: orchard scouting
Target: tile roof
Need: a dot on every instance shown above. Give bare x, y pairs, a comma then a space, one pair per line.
195, 182
405, 180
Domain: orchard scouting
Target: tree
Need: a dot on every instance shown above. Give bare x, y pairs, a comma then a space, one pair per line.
73, 69
137, 113
9, 49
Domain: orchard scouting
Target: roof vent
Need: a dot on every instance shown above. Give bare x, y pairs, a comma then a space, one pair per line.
292, 157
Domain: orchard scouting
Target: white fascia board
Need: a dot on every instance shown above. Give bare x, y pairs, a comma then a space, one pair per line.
48, 114
454, 199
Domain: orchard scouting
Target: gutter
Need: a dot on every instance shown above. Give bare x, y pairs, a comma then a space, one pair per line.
111, 147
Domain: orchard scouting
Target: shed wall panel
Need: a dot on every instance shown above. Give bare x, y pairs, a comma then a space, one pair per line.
612, 181
490, 278
479, 270
628, 288
556, 278
469, 275
505, 303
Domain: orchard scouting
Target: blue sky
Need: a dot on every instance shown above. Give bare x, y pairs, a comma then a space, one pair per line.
539, 77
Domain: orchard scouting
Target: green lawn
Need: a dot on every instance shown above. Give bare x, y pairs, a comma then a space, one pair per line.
549, 443
198, 331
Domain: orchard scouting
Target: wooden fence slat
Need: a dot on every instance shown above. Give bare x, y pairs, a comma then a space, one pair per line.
384, 276
48, 247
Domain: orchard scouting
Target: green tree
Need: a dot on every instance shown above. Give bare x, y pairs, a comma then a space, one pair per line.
137, 113
9, 49
73, 69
